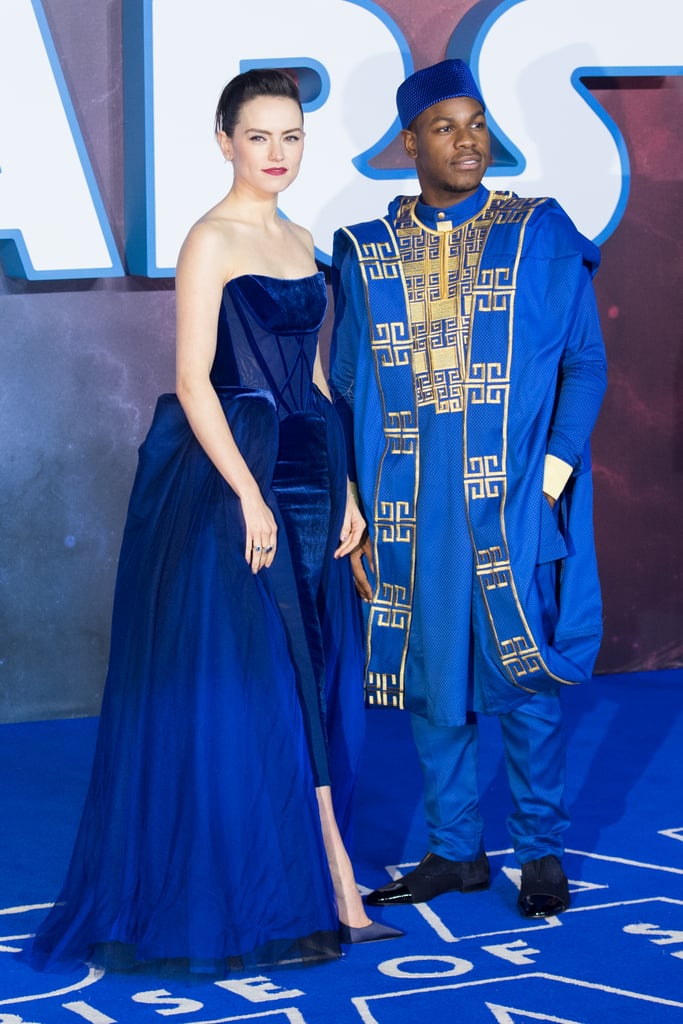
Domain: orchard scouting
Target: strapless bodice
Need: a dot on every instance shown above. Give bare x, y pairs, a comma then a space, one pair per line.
282, 305
268, 334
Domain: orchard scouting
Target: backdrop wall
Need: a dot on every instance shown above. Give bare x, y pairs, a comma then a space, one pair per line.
84, 356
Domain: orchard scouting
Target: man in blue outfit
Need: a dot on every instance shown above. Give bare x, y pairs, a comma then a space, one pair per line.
468, 361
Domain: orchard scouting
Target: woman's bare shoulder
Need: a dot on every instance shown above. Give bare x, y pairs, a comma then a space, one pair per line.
213, 239
303, 235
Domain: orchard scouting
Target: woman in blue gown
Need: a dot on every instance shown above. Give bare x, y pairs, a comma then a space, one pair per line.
233, 708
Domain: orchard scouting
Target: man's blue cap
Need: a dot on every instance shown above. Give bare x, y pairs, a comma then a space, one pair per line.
447, 80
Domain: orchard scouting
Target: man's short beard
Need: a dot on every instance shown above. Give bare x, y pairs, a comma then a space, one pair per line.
455, 190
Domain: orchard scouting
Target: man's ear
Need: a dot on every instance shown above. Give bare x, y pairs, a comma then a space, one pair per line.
225, 144
409, 142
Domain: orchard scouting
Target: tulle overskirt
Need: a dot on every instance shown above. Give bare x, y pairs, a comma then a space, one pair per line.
200, 839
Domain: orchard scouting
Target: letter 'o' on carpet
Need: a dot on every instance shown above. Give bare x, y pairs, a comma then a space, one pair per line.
615, 956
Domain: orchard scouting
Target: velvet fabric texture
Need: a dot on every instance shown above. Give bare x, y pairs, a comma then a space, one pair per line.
200, 841
447, 80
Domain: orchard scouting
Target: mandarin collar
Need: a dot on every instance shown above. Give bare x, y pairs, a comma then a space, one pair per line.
458, 213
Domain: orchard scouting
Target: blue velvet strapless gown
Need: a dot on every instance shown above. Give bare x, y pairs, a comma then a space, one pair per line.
228, 695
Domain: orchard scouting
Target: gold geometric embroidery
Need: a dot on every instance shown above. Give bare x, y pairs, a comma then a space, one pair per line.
391, 607
401, 432
395, 522
384, 690
392, 342
445, 288
484, 477
520, 657
494, 289
493, 568
418, 311
441, 309
444, 358
448, 392
517, 212
419, 363
380, 260
443, 283
487, 384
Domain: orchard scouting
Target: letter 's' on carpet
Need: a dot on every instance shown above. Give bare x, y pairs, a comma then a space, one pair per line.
616, 957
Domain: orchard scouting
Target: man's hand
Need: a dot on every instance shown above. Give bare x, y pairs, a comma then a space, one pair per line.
360, 577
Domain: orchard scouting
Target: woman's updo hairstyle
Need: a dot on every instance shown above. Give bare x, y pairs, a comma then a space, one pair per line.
249, 86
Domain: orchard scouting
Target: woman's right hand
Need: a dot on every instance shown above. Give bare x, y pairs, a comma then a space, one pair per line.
261, 531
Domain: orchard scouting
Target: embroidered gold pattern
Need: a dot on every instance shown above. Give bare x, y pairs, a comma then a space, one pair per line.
391, 607
484, 477
494, 289
487, 384
396, 522
520, 656
380, 260
447, 283
383, 689
401, 432
493, 568
444, 286
392, 343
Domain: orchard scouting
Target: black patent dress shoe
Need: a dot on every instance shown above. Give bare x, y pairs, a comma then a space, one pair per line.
544, 890
433, 876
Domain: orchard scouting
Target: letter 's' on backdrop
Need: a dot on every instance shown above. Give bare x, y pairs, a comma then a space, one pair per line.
106, 158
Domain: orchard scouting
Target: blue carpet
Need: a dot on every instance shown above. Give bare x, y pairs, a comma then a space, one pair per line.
615, 956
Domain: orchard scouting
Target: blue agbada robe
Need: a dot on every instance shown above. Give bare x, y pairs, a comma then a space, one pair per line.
484, 595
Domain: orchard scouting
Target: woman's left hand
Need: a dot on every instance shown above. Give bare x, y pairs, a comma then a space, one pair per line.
352, 527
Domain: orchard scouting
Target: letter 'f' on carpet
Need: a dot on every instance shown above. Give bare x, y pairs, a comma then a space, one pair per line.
615, 956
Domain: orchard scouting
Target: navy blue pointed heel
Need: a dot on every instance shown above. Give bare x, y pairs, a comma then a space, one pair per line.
373, 932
